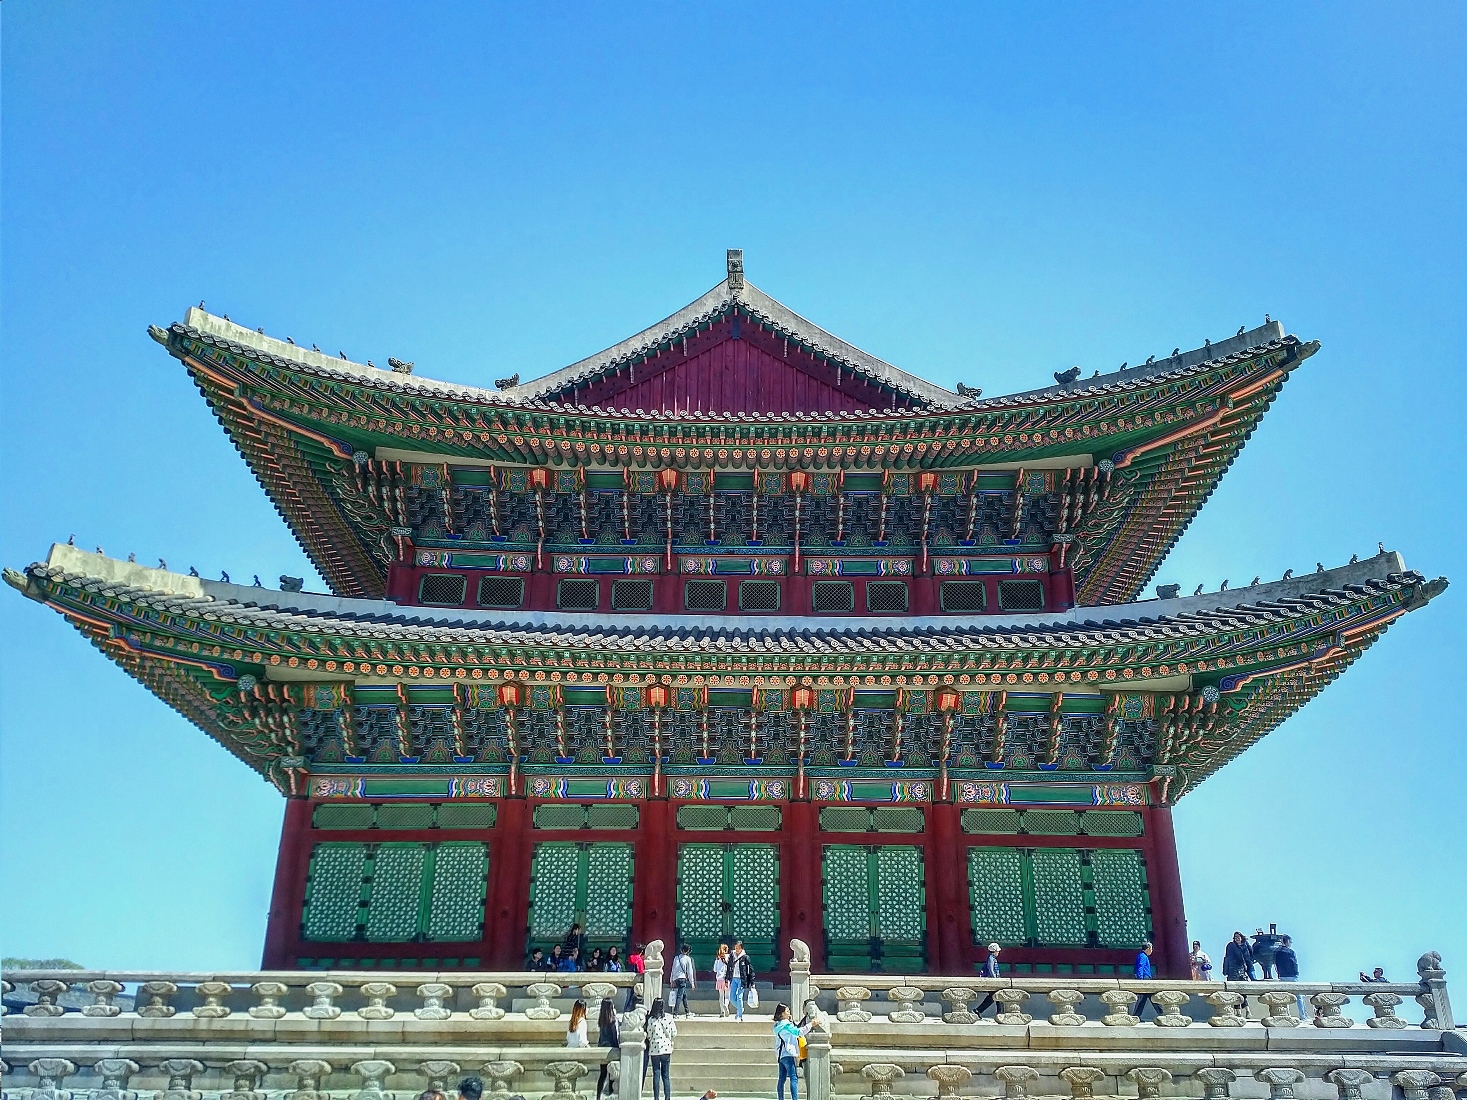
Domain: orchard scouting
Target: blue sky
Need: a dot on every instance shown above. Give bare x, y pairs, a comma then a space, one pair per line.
974, 193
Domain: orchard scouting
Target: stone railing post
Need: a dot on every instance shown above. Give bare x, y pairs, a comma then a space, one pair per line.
881, 1075
1065, 1001
1170, 1001
434, 994
437, 1074
488, 994
949, 1077
594, 993
1349, 1082
1281, 1008
269, 993
1150, 1080
323, 994
114, 1073
1016, 1080
652, 971
909, 1009
817, 1063
1384, 1005
1119, 1001
50, 1072
1281, 1081
501, 1073
1414, 1083
542, 1009
103, 991
1434, 988
376, 1007
373, 1071
849, 998
6, 988
633, 1043
213, 994
309, 1073
1216, 1082
247, 1073
959, 1000
157, 993
1228, 1009
180, 1073
48, 991
1328, 1006
565, 1076
1010, 1003
1082, 1080
799, 976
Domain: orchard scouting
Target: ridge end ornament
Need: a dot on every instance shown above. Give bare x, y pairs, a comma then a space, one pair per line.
735, 262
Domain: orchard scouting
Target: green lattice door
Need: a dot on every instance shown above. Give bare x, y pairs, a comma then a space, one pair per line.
875, 908
726, 891
396, 892
588, 884
1058, 897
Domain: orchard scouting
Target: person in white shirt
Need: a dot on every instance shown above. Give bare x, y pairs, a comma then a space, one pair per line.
683, 981
575, 1032
720, 978
661, 1031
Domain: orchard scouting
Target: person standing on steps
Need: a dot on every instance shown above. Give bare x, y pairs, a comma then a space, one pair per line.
575, 940
788, 1039
1238, 959
637, 964
1200, 963
990, 970
608, 1037
720, 978
741, 980
575, 1029
683, 981
661, 1031
1288, 968
1143, 971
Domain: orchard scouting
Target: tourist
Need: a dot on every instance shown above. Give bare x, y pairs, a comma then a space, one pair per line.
682, 979
1264, 946
608, 1036
720, 978
596, 963
638, 966
431, 1094
741, 979
1238, 959
553, 960
989, 970
569, 962
537, 961
575, 940
789, 1041
471, 1088
1201, 964
575, 1029
1143, 971
1377, 976
661, 1031
613, 960
1288, 968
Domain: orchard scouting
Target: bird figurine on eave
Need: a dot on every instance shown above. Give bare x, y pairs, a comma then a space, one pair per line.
1067, 377
507, 383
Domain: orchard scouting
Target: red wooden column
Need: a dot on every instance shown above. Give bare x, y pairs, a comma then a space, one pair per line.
507, 914
654, 895
799, 881
1169, 920
287, 898
947, 902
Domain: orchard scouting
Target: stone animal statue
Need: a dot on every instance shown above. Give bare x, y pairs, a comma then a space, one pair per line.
969, 391
1168, 591
399, 366
507, 383
1067, 377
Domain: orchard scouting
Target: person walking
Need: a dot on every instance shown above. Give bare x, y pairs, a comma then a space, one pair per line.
661, 1031
1238, 959
788, 1038
683, 981
989, 970
1143, 971
741, 979
608, 1037
1287, 964
1201, 964
575, 1028
720, 978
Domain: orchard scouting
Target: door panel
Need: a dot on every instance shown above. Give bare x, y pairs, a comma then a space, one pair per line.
875, 903
728, 891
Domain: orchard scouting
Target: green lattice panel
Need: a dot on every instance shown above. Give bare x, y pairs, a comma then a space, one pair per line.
553, 890
897, 819
990, 821
1059, 900
397, 881
556, 816
612, 815
344, 815
609, 890
764, 819
1112, 822
700, 891
847, 893
1052, 822
456, 906
702, 818
334, 891
901, 900
405, 815
996, 894
755, 891
845, 819
467, 815
1120, 897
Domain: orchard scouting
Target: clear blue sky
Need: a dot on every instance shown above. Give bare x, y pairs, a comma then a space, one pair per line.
974, 193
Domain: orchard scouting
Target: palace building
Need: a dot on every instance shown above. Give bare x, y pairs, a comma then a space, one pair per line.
730, 629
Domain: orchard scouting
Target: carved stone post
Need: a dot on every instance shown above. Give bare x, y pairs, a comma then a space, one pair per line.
437, 1073
48, 991
633, 1043
1385, 1010
500, 1074
373, 1071
849, 998
799, 975
180, 1073
909, 1005
1329, 1005
949, 1077
595, 993
542, 1009
1216, 1081
1280, 1009
434, 994
1413, 1083
1227, 1009
1082, 1080
1065, 1001
213, 994
321, 1006
376, 1007
247, 1073
269, 993
881, 1075
817, 1062
1434, 986
309, 1073
488, 994
157, 993
959, 1000
565, 1075
114, 1073
1119, 1001
1016, 1080
1349, 1082
6, 988
1009, 1003
103, 991
1170, 1001
1281, 1082
1149, 1081
652, 971
50, 1072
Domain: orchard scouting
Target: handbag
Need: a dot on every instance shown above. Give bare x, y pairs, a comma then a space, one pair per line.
752, 1000
804, 1048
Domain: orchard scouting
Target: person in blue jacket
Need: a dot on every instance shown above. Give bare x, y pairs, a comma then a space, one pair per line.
989, 970
1143, 970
